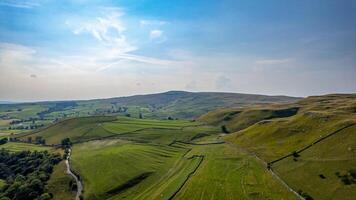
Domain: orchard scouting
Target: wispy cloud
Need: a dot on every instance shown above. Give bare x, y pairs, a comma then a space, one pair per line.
110, 32
156, 34
152, 22
20, 4
108, 29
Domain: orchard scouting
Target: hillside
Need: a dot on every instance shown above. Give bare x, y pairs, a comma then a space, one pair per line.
176, 104
125, 157
311, 148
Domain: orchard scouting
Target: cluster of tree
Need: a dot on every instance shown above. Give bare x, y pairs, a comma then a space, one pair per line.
112, 110
3, 141
60, 106
37, 140
18, 121
26, 174
224, 129
28, 127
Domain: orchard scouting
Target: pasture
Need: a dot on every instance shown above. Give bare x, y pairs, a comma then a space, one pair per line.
19, 146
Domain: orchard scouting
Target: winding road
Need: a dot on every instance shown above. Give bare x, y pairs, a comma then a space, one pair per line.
79, 183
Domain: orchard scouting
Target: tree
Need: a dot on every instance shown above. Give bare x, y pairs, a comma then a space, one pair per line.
224, 129
45, 196
140, 116
3, 141
66, 143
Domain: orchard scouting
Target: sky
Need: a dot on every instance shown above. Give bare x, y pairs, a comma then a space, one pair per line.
85, 49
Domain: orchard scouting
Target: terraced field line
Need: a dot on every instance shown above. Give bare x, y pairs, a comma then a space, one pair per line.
189, 175
312, 144
269, 169
70, 172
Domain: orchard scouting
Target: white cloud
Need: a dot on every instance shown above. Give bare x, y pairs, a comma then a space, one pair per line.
113, 47
20, 4
156, 34
152, 23
108, 30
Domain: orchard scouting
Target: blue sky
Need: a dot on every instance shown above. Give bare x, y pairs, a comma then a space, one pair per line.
82, 49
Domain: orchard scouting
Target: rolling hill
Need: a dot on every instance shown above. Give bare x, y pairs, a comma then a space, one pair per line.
175, 104
310, 144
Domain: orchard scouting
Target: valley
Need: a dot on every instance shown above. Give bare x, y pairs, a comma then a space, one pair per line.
296, 150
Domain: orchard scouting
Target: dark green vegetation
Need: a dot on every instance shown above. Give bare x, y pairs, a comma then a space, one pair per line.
26, 174
60, 184
312, 149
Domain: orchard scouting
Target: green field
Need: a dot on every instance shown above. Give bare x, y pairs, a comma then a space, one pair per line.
326, 170
227, 173
89, 128
19, 146
148, 165
316, 118
58, 183
159, 166
121, 157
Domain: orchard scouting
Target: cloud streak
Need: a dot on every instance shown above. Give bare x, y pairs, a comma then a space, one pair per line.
27, 4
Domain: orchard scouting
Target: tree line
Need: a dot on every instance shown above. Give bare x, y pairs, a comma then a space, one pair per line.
26, 174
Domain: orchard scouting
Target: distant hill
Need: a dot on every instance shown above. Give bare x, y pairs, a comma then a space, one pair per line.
183, 104
173, 104
7, 102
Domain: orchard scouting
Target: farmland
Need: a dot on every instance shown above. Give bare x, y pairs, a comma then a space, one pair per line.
308, 145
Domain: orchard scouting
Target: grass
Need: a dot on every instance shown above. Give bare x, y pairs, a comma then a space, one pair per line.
19, 146
6, 133
316, 169
238, 119
2, 183
59, 183
227, 173
317, 117
88, 128
75, 129
116, 169
120, 164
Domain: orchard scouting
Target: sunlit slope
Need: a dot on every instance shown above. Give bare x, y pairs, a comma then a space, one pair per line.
326, 170
75, 129
227, 173
236, 119
117, 169
100, 127
316, 118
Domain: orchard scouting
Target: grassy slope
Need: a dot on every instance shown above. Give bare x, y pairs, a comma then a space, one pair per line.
317, 117
226, 173
88, 128
75, 129
236, 119
335, 154
120, 162
58, 183
17, 146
